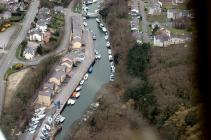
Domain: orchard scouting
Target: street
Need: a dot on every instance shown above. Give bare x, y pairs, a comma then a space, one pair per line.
9, 57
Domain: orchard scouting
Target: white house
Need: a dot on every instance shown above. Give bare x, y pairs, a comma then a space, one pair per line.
42, 25
155, 8
30, 50
35, 35
161, 40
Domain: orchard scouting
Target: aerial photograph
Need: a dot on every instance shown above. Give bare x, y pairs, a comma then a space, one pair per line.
105, 70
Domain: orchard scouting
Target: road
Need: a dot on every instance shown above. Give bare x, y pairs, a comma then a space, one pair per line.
63, 46
9, 57
144, 22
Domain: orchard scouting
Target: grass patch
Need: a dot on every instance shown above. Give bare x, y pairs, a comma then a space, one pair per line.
159, 18
20, 50
179, 31
13, 69
57, 21
78, 7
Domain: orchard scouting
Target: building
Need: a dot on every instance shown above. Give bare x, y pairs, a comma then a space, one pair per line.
35, 35
42, 25
77, 30
45, 97
68, 65
44, 10
155, 8
58, 9
57, 78
30, 51
161, 40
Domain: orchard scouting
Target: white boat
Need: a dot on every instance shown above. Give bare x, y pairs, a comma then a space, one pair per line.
104, 29
39, 109
113, 69
101, 25
78, 88
71, 101
106, 37
96, 52
98, 56
85, 24
86, 76
62, 119
78, 94
110, 57
109, 51
44, 131
108, 44
97, 20
33, 127
33, 123
47, 127
32, 132
94, 37
81, 82
112, 64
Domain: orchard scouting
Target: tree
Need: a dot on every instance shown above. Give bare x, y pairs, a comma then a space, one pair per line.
137, 59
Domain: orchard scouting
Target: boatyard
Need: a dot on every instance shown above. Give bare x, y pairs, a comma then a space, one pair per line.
82, 71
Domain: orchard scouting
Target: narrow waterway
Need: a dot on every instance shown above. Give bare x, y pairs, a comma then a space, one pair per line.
99, 77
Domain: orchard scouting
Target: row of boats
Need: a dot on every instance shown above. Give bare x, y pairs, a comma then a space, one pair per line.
108, 45
76, 94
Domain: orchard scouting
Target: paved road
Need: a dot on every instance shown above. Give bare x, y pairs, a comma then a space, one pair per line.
9, 58
144, 22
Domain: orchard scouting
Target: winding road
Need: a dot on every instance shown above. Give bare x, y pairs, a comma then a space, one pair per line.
10, 57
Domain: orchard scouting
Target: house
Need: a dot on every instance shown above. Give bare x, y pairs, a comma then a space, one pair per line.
44, 10
46, 37
161, 40
68, 65
77, 23
154, 9
58, 9
44, 18
68, 57
35, 35
42, 25
30, 50
45, 98
6, 15
57, 78
176, 13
